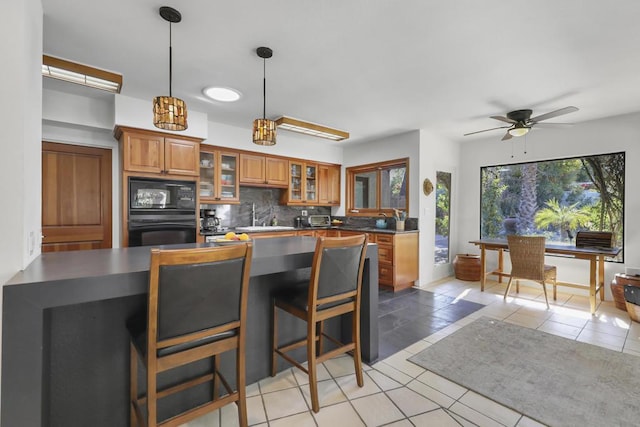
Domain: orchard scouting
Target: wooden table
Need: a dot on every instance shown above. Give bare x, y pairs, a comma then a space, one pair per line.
595, 256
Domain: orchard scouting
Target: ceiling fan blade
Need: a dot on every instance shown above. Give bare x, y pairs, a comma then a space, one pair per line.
554, 125
556, 113
506, 136
486, 130
504, 119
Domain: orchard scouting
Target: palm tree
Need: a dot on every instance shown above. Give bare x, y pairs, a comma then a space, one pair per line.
565, 218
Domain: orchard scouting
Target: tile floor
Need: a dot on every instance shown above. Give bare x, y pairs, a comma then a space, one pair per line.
398, 393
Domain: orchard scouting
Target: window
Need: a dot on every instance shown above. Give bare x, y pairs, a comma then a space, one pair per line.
554, 198
378, 187
443, 208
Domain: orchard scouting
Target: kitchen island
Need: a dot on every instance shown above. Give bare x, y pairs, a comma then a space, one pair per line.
65, 344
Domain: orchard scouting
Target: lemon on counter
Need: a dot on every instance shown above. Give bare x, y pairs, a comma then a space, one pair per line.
244, 236
230, 236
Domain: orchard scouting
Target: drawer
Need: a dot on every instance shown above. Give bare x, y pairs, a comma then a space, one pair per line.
384, 238
385, 274
385, 254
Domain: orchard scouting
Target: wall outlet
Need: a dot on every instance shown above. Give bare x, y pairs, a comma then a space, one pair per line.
304, 213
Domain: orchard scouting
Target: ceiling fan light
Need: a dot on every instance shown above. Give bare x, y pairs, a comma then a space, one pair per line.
519, 130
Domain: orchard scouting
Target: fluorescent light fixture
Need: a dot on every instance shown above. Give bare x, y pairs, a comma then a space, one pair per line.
85, 75
222, 94
295, 125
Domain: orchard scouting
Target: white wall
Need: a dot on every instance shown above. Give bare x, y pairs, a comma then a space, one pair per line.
138, 113
395, 147
615, 134
20, 163
436, 155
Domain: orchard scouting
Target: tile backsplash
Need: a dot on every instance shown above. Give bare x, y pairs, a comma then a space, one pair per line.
267, 206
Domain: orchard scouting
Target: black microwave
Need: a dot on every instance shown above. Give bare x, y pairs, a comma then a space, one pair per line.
147, 194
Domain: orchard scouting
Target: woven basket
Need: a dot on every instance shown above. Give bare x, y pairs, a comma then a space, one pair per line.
467, 267
634, 311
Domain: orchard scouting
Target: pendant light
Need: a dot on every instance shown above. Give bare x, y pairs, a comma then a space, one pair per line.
168, 112
264, 130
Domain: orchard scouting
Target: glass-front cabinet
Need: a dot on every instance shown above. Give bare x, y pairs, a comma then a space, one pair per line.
303, 183
218, 176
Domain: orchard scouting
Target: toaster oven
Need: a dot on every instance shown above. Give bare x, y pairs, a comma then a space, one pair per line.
319, 220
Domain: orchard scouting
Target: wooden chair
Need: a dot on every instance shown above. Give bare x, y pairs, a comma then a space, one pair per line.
527, 262
333, 290
197, 309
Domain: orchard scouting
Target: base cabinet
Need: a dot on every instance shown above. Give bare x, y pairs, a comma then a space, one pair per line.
397, 258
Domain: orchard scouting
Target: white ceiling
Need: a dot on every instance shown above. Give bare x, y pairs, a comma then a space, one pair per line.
370, 67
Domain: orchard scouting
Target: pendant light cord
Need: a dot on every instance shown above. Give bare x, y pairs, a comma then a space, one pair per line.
264, 88
170, 62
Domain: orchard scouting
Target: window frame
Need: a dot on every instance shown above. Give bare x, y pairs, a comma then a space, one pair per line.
351, 173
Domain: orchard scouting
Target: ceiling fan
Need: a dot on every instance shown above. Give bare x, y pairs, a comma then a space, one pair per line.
520, 121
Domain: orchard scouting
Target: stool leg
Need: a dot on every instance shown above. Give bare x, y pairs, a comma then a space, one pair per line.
311, 361
357, 360
506, 292
274, 344
133, 385
320, 332
241, 385
216, 377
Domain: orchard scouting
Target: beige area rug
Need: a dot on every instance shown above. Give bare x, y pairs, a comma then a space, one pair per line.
554, 380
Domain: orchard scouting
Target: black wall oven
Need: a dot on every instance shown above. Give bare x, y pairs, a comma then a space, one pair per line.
161, 211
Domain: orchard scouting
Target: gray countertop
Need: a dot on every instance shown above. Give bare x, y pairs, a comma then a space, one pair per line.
342, 227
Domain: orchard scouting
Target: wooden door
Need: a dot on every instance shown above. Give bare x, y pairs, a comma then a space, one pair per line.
76, 197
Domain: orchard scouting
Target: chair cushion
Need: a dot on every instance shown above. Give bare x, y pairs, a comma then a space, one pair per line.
298, 297
137, 326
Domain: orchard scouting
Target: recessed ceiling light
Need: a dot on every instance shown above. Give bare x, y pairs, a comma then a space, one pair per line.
222, 94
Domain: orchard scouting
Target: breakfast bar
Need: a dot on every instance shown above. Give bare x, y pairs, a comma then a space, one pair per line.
65, 344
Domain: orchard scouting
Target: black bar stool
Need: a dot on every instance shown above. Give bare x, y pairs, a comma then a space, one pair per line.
197, 309
333, 290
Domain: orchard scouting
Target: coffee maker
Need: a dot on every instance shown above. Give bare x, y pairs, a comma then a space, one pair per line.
210, 222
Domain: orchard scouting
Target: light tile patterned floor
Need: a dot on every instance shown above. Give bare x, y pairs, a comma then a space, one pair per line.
398, 393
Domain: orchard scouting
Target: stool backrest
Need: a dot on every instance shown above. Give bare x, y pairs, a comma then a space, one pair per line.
337, 268
527, 256
192, 291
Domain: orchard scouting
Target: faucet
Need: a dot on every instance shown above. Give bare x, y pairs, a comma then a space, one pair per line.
253, 215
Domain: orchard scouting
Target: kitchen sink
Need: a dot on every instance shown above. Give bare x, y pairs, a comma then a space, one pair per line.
264, 228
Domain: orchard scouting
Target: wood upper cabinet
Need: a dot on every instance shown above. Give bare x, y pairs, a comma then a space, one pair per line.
218, 176
276, 171
157, 153
303, 183
263, 170
329, 185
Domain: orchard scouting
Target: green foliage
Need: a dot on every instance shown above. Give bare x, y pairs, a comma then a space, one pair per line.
492, 218
564, 218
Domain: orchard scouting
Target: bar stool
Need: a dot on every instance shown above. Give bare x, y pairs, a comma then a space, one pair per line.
197, 309
333, 290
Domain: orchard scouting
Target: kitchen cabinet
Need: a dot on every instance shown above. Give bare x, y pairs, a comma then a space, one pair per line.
261, 170
329, 185
158, 153
303, 183
218, 176
397, 258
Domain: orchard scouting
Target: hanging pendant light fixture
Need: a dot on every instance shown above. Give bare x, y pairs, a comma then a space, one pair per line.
264, 130
168, 112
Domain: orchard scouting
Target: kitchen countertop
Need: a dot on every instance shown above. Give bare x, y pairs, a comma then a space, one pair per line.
341, 227
66, 308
